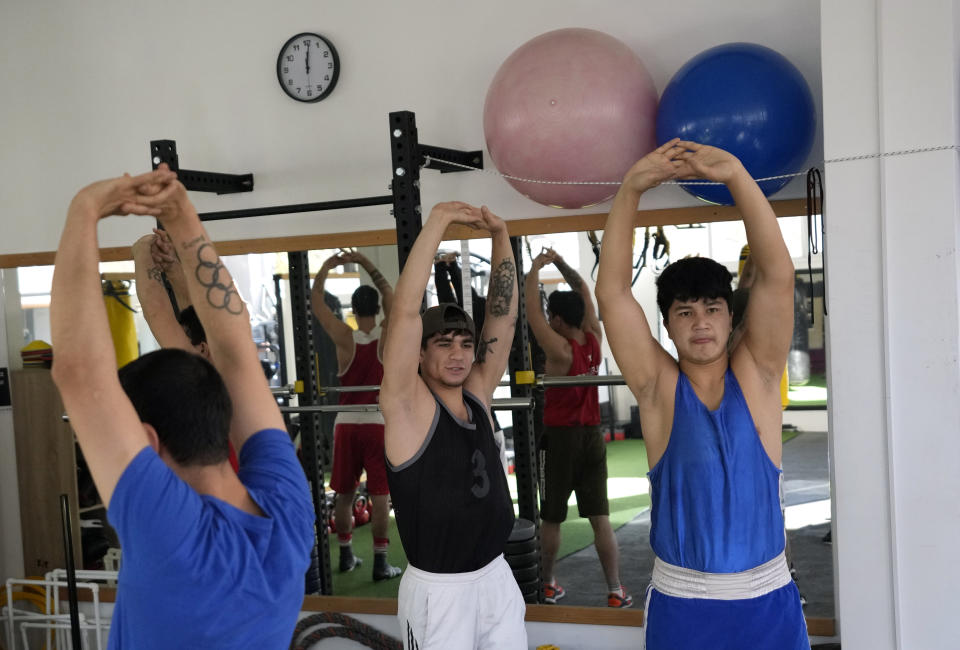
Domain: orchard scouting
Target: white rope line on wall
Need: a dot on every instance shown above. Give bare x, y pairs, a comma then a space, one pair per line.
888, 154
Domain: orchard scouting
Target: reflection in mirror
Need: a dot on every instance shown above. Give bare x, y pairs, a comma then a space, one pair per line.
806, 485
806, 481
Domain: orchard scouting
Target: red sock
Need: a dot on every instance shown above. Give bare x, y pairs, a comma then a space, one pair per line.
380, 544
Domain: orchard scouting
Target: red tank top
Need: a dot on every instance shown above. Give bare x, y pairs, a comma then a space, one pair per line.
365, 368
576, 405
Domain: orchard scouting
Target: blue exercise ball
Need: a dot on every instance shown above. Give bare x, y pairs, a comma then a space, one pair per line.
747, 99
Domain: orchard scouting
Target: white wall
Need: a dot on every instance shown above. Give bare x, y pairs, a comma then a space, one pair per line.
89, 85
890, 83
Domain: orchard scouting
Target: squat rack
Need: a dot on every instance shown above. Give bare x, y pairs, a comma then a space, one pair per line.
408, 156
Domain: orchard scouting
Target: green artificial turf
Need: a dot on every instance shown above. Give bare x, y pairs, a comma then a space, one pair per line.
813, 393
627, 493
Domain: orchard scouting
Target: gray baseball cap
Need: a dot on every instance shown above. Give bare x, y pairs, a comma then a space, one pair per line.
446, 316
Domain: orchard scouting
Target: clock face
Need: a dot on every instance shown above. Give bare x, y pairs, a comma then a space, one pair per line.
308, 67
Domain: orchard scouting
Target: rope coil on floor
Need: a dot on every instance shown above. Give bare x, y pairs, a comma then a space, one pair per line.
341, 626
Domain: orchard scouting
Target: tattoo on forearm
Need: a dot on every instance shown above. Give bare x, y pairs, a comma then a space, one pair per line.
193, 242
155, 273
501, 289
377, 278
483, 347
209, 271
570, 276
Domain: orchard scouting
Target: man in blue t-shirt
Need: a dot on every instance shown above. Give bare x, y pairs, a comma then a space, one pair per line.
211, 558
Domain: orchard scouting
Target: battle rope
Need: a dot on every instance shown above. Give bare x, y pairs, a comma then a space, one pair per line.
341, 626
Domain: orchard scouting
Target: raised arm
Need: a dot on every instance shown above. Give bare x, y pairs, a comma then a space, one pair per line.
590, 321
85, 370
165, 256
500, 319
769, 317
152, 295
336, 329
558, 350
640, 357
224, 316
401, 355
380, 282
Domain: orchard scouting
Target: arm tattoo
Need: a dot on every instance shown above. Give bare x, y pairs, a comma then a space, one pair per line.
483, 347
570, 276
208, 273
501, 289
377, 278
192, 243
155, 273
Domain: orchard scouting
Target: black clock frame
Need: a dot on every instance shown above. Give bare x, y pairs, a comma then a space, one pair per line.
333, 80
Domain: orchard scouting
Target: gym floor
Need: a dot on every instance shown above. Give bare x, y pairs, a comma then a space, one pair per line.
806, 486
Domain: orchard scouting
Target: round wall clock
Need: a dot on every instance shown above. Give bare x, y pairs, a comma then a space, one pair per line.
308, 67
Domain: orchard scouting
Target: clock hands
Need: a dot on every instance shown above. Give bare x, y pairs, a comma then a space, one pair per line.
308, 59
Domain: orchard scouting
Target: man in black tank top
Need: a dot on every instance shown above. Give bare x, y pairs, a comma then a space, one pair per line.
453, 508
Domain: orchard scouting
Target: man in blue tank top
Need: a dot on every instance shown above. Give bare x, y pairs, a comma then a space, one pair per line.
453, 508
711, 421
211, 558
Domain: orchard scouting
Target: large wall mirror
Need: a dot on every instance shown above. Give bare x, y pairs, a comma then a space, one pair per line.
806, 490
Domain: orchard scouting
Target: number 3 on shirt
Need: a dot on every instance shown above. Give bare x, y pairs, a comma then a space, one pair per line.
480, 470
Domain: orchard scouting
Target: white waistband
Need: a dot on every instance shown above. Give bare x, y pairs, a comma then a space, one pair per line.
686, 583
359, 417
469, 576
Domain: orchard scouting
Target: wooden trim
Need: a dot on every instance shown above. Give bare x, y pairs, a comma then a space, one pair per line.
533, 226
584, 615
349, 605
821, 626
535, 613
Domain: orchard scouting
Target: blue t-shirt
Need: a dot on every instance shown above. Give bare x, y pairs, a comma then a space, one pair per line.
199, 573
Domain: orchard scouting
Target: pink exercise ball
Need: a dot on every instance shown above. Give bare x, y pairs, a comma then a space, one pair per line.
569, 105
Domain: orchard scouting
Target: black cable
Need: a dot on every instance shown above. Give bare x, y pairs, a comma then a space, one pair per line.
642, 260
71, 571
815, 198
595, 243
661, 249
110, 291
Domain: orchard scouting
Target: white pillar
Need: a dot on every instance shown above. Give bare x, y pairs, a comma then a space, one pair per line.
889, 83
11, 340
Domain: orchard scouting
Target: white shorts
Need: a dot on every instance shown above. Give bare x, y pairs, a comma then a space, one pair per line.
479, 609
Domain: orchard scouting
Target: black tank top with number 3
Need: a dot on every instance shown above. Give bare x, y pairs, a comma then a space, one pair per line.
451, 500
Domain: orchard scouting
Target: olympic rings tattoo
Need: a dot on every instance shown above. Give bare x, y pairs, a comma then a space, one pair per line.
219, 295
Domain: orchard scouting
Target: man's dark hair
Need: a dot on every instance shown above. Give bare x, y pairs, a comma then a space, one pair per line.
191, 326
365, 301
568, 305
183, 397
692, 278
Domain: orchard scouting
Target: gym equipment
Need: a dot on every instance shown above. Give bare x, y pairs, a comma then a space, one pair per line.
747, 99
523, 559
569, 105
123, 331
523, 556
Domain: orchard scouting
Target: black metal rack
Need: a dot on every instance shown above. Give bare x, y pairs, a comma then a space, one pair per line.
408, 157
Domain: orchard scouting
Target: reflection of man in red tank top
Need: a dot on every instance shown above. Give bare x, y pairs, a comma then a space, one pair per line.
573, 455
358, 436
